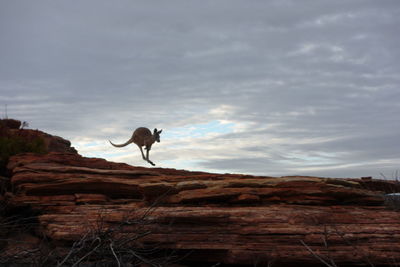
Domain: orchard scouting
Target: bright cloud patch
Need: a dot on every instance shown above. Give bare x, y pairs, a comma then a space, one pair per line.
211, 128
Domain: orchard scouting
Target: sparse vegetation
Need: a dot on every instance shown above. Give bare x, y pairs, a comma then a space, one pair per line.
13, 142
13, 145
324, 252
101, 245
111, 246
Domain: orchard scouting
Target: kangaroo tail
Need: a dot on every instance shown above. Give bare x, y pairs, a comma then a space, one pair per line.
121, 145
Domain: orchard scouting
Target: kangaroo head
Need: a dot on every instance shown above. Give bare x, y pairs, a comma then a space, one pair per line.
156, 135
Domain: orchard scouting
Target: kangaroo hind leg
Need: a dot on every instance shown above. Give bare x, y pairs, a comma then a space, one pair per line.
141, 150
147, 156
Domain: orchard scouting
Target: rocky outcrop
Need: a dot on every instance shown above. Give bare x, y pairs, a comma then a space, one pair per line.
10, 123
210, 218
10, 128
52, 143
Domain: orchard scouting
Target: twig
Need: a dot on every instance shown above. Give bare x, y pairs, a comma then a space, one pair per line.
153, 205
341, 235
115, 255
325, 240
72, 250
87, 254
316, 255
143, 259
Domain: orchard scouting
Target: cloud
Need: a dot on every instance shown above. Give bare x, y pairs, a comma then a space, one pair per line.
266, 87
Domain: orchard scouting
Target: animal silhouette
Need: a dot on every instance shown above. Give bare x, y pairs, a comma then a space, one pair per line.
142, 136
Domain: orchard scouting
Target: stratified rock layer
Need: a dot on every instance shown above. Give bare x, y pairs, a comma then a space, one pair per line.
215, 218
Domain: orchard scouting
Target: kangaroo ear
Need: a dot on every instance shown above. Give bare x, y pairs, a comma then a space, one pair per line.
159, 131
155, 130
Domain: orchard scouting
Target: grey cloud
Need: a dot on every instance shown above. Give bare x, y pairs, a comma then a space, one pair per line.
315, 69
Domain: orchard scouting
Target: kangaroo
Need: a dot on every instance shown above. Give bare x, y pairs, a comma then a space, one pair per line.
143, 137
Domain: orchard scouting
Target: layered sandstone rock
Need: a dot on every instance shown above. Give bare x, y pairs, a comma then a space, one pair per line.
211, 218
11, 128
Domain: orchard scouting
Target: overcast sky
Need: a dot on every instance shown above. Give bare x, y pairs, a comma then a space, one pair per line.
285, 87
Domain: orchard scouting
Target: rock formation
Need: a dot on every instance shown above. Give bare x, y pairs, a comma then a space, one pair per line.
206, 218
10, 123
52, 143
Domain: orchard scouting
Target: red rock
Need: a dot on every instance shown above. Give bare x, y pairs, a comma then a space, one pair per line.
10, 123
52, 143
91, 199
11, 128
248, 198
230, 219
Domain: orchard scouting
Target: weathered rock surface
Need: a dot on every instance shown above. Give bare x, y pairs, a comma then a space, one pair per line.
215, 218
52, 143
